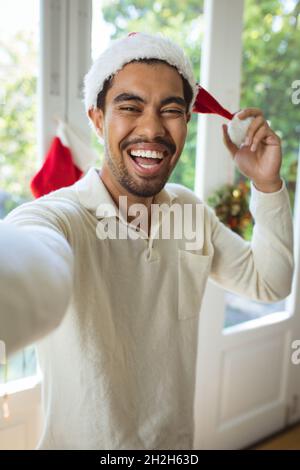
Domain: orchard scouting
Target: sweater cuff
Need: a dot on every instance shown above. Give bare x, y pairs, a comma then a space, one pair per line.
253, 188
268, 200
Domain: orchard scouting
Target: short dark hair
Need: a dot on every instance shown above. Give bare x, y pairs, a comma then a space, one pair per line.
187, 89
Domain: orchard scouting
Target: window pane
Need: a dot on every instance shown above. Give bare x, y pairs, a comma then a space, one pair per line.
22, 364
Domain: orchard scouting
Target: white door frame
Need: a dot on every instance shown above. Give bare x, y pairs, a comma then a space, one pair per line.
22, 428
293, 307
65, 56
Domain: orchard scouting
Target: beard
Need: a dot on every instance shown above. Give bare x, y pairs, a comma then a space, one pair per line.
135, 185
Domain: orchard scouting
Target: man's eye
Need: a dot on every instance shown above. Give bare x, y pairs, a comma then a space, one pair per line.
173, 111
128, 108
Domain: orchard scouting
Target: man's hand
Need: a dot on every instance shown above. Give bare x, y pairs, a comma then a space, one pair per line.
260, 157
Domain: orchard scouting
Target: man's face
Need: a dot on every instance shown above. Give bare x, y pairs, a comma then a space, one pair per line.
144, 127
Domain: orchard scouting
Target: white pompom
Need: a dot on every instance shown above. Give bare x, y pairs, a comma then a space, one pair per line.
237, 129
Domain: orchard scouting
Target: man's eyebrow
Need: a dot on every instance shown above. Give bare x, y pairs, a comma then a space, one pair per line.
130, 97
174, 99
127, 97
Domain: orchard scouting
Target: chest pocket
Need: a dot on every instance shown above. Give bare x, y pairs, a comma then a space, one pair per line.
193, 271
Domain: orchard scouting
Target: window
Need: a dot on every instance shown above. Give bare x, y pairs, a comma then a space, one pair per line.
19, 366
271, 64
18, 152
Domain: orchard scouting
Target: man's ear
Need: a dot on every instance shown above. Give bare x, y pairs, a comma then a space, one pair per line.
97, 116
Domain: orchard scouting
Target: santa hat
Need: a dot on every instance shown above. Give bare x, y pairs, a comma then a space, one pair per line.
137, 46
67, 159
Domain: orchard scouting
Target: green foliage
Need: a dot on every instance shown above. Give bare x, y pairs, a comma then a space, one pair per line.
271, 39
18, 153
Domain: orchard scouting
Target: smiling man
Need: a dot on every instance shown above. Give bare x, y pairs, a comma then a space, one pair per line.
144, 124
116, 317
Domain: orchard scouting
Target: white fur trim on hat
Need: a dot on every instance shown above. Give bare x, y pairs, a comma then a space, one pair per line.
83, 155
137, 46
237, 129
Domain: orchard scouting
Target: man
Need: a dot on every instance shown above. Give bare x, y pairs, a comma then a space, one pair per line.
116, 316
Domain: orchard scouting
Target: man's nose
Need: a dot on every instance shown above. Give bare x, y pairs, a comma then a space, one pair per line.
151, 125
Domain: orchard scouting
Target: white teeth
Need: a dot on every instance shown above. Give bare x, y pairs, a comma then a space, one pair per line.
148, 166
147, 154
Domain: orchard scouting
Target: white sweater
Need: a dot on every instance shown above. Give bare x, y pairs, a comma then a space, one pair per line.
117, 320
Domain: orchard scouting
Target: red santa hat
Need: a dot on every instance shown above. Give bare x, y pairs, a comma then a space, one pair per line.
67, 159
148, 46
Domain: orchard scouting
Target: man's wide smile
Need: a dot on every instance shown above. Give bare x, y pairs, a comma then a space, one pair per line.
148, 159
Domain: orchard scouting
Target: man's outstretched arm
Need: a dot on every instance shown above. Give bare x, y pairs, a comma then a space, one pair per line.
36, 265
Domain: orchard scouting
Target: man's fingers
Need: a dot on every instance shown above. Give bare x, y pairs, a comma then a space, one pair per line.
248, 112
228, 142
261, 134
253, 128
